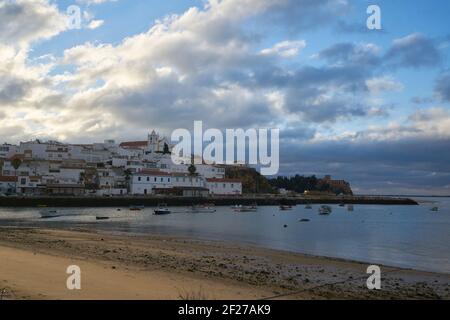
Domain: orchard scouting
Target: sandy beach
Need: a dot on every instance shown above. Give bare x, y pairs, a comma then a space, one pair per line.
33, 265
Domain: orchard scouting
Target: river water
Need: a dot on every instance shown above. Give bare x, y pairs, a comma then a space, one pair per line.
404, 236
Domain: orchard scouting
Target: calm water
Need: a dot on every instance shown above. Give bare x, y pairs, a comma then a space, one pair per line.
405, 236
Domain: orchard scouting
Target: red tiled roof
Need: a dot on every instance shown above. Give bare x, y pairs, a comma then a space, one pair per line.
8, 179
224, 180
17, 156
134, 144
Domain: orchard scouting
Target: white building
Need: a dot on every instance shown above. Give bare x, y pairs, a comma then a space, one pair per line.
186, 180
8, 150
145, 181
30, 185
8, 184
224, 186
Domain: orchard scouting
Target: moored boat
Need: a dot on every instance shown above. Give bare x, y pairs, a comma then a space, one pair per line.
162, 209
285, 207
435, 209
240, 208
201, 209
49, 214
325, 210
136, 208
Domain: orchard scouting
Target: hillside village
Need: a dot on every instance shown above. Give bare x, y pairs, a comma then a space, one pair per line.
107, 169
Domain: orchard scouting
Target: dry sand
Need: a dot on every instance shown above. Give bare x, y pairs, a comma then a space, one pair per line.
33, 265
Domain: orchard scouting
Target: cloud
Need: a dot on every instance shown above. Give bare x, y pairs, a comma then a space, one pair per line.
381, 84
350, 53
94, 2
207, 64
295, 16
415, 51
285, 49
442, 87
94, 24
25, 21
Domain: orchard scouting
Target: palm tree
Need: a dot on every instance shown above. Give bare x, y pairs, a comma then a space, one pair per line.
192, 172
82, 177
166, 149
127, 174
16, 163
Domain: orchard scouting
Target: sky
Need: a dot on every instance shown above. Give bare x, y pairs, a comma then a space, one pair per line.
368, 106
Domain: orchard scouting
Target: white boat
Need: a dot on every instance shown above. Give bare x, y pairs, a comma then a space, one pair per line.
240, 208
201, 209
325, 210
49, 214
162, 210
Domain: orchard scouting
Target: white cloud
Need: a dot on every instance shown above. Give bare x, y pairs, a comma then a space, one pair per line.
285, 49
23, 22
378, 85
94, 24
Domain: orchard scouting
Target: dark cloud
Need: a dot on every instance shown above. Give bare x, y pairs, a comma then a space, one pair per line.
414, 51
350, 53
12, 90
442, 87
300, 15
26, 21
422, 100
389, 166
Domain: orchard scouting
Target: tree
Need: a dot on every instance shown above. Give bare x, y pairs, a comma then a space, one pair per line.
16, 162
192, 169
166, 149
127, 174
82, 177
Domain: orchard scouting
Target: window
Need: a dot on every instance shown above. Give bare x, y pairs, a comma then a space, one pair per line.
232, 185
224, 185
154, 179
168, 179
148, 178
23, 181
162, 179
139, 178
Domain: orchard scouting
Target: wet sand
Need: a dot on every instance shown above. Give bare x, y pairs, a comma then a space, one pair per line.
33, 265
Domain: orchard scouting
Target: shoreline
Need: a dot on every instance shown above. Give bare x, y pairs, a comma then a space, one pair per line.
188, 201
199, 267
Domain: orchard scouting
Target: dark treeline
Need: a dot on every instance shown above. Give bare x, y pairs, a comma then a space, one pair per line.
298, 183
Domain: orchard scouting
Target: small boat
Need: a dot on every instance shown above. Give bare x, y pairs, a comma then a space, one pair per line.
304, 220
240, 208
435, 209
325, 210
308, 206
102, 218
201, 209
49, 214
136, 208
342, 204
350, 207
285, 208
161, 210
